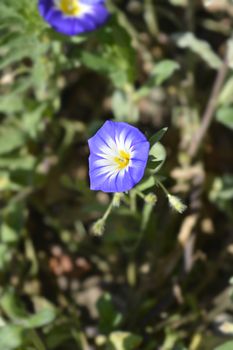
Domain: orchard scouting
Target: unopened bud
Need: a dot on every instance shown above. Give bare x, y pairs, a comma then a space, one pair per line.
98, 227
150, 198
176, 203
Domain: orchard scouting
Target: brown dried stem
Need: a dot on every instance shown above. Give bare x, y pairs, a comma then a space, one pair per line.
210, 109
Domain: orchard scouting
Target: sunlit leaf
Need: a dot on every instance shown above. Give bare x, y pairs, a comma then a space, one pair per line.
226, 346
200, 47
163, 70
10, 139
11, 337
225, 116
226, 95
40, 319
157, 156
124, 341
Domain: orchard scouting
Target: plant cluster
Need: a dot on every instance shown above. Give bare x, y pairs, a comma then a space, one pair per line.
133, 248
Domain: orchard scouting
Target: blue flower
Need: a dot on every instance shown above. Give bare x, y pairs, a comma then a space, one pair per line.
72, 17
118, 157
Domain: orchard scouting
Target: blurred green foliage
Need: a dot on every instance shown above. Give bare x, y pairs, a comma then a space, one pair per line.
155, 279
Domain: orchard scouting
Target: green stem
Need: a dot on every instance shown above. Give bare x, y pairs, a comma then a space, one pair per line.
133, 204
140, 194
151, 17
162, 186
109, 209
36, 340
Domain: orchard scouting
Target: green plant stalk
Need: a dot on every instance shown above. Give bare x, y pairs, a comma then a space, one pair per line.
162, 187
109, 209
133, 203
151, 17
36, 340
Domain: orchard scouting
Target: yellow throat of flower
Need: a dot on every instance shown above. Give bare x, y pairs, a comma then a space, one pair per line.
122, 160
70, 7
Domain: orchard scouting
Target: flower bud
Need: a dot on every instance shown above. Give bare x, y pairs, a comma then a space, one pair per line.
176, 203
150, 198
98, 227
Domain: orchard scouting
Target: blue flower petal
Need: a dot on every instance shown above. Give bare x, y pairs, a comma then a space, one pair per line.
103, 180
124, 182
73, 25
107, 131
103, 139
131, 132
92, 2
106, 182
137, 170
140, 150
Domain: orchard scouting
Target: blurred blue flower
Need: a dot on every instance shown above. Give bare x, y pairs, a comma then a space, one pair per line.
72, 17
118, 157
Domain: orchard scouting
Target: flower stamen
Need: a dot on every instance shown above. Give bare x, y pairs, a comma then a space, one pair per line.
70, 7
122, 159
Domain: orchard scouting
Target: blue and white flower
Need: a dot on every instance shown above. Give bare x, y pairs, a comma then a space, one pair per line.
118, 157
72, 17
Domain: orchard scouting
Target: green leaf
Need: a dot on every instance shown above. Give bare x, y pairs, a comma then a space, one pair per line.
14, 215
223, 188
201, 48
18, 48
226, 346
5, 256
11, 102
5, 182
8, 234
109, 316
16, 311
10, 139
26, 162
123, 341
157, 156
11, 337
230, 53
104, 66
163, 70
12, 305
221, 193
225, 116
58, 335
31, 121
178, 2
117, 56
7, 11
124, 108
226, 95
42, 318
157, 137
